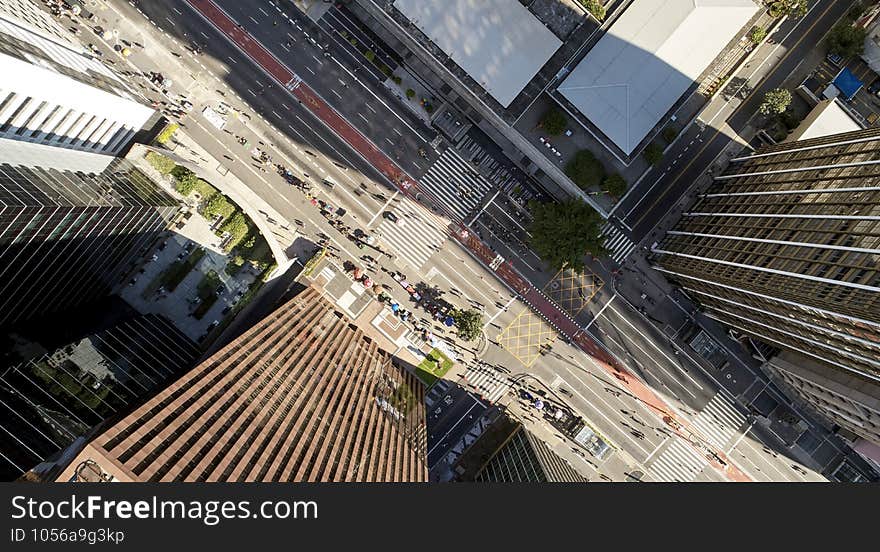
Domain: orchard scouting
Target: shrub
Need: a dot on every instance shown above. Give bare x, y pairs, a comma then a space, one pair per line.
160, 162
653, 153
234, 265
429, 108
370, 55
167, 133
595, 8
775, 102
185, 180
554, 122
386, 70
585, 170
410, 93
353, 42
397, 80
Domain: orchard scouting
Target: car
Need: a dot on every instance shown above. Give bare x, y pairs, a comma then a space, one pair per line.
834, 59
214, 324
389, 216
219, 290
226, 310
328, 183
195, 301
565, 391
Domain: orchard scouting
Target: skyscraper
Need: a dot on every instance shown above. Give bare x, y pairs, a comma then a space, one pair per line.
72, 224
58, 94
301, 396
784, 246
523, 458
62, 380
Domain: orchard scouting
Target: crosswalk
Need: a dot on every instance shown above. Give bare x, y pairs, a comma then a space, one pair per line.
436, 391
489, 383
616, 242
453, 182
417, 239
717, 424
719, 421
680, 462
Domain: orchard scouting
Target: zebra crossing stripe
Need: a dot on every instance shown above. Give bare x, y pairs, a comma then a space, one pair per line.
679, 462
447, 176
490, 384
617, 243
719, 421
417, 240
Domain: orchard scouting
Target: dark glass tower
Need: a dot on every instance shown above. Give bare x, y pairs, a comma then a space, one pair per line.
68, 235
785, 247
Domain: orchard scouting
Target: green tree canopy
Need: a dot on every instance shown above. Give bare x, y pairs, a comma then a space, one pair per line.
160, 162
554, 122
845, 40
237, 226
595, 7
790, 8
585, 170
217, 204
653, 153
469, 323
775, 102
563, 233
615, 185
757, 34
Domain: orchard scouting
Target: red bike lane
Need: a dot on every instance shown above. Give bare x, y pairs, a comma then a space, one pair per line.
504, 270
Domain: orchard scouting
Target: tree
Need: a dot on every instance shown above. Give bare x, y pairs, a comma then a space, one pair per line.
563, 233
410, 93
653, 153
615, 185
186, 180
237, 227
845, 40
217, 204
585, 170
789, 8
669, 133
757, 34
775, 102
468, 322
370, 55
554, 122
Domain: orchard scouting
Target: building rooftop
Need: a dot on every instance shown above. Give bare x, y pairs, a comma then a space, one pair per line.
827, 118
499, 43
648, 58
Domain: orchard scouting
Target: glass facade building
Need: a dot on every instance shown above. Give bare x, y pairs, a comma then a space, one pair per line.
57, 396
785, 247
69, 236
524, 458
302, 396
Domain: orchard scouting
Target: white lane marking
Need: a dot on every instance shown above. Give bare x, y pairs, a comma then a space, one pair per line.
361, 115
598, 314
254, 20
310, 70
336, 93
398, 132
264, 13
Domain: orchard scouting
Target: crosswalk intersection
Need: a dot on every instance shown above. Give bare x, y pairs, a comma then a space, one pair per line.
717, 424
489, 383
417, 239
719, 421
680, 462
616, 242
453, 182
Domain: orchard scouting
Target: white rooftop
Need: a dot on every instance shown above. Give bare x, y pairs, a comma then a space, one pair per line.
826, 119
499, 43
648, 58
